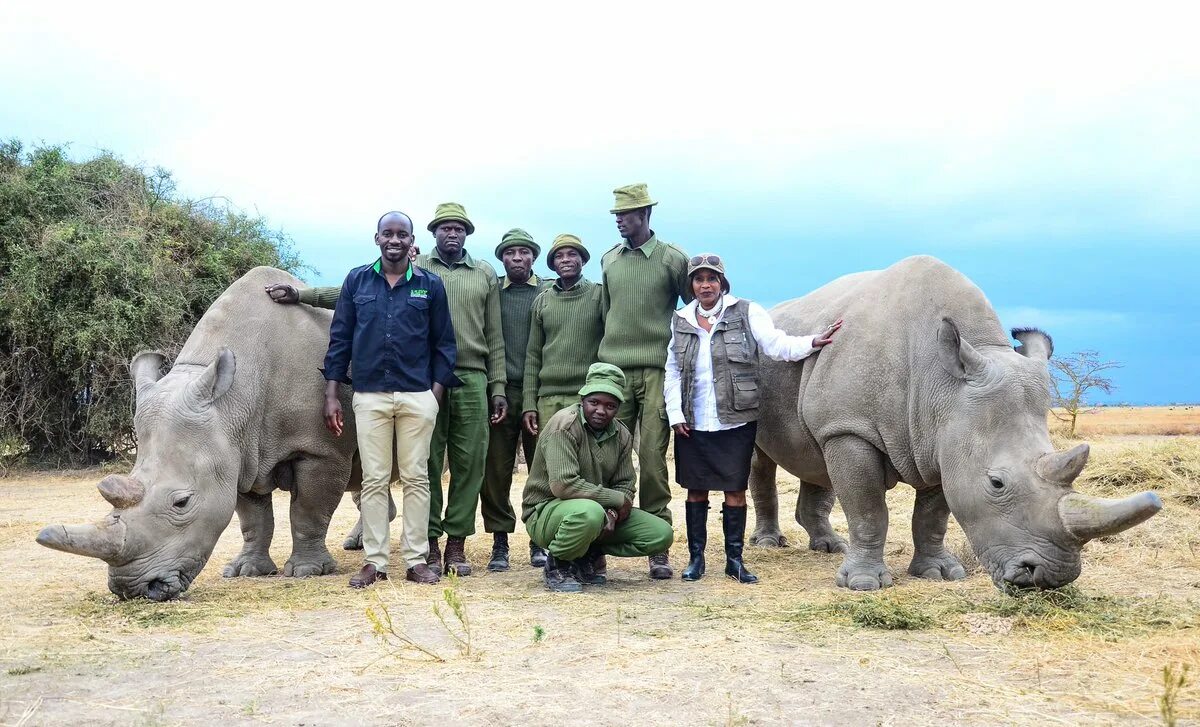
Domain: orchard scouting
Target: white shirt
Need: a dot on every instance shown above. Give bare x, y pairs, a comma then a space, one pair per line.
771, 341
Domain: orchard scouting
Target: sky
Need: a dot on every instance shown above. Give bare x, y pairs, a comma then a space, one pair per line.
1050, 152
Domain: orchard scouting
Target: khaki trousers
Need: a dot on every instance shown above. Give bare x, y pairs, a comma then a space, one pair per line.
410, 417
645, 408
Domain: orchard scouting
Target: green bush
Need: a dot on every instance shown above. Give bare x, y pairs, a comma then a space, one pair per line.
98, 260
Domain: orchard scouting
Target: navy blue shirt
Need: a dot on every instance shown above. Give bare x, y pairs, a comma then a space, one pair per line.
400, 339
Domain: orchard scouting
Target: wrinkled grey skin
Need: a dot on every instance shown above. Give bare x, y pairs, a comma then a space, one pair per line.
922, 386
237, 416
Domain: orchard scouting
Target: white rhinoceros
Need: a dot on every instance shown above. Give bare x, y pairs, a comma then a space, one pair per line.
922, 386
237, 416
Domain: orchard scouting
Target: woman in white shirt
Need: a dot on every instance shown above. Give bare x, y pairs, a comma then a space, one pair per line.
712, 395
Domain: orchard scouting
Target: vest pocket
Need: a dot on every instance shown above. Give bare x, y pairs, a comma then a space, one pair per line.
737, 348
745, 393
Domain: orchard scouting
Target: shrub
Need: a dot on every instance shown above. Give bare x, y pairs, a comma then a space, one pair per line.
100, 259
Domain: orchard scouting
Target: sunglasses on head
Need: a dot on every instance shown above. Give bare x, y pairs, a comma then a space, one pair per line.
706, 260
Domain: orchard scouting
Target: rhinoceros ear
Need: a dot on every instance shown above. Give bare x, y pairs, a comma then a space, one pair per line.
1035, 343
146, 370
214, 381
958, 357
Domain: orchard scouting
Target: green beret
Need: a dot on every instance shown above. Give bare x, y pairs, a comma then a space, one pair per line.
517, 237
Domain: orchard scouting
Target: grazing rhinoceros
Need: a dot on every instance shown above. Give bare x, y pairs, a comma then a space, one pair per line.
238, 416
922, 386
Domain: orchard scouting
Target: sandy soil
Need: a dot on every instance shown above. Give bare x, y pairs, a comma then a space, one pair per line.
283, 651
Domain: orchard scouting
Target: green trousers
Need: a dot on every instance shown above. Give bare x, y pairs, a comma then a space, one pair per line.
645, 408
461, 433
548, 406
567, 528
495, 501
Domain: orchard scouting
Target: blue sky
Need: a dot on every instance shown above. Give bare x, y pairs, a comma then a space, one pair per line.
1051, 154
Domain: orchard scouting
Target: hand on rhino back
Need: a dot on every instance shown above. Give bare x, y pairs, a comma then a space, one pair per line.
237, 415
924, 387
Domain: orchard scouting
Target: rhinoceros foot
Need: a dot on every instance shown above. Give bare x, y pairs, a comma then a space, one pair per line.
768, 539
353, 541
830, 543
249, 565
938, 567
309, 565
863, 576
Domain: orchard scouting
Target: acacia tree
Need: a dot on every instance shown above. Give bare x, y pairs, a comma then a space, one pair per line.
1073, 378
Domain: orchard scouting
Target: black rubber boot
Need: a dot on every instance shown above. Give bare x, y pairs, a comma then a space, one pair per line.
733, 521
559, 577
697, 535
499, 561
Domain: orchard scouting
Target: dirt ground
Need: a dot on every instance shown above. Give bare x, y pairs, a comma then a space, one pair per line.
793, 649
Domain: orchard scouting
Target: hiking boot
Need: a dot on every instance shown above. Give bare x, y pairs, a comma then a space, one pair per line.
434, 558
499, 561
456, 556
423, 574
559, 577
660, 567
537, 556
585, 568
733, 522
697, 538
367, 576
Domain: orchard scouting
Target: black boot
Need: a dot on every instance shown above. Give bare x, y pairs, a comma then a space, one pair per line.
499, 561
585, 568
537, 555
697, 535
733, 521
559, 577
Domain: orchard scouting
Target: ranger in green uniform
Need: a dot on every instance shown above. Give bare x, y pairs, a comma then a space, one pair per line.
644, 279
518, 289
578, 500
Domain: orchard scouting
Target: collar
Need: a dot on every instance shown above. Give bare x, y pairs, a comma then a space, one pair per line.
466, 258
647, 247
378, 268
690, 311
608, 433
533, 280
579, 282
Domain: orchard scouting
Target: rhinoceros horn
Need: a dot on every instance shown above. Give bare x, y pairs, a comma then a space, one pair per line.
1087, 517
121, 492
103, 541
1063, 467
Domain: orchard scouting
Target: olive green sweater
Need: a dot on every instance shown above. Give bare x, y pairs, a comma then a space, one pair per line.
642, 287
571, 463
474, 295
516, 300
564, 337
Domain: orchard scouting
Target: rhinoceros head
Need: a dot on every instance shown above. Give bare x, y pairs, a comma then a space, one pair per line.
1005, 484
169, 511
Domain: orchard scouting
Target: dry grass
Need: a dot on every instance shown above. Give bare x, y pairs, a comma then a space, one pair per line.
1134, 421
289, 651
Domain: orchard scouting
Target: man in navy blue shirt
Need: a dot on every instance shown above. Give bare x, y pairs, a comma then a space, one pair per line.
392, 321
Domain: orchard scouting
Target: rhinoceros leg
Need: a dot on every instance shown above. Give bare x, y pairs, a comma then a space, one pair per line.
931, 559
353, 539
812, 512
320, 484
857, 472
766, 502
257, 520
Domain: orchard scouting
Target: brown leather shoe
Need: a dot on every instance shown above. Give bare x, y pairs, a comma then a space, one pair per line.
422, 573
367, 576
434, 557
660, 567
456, 556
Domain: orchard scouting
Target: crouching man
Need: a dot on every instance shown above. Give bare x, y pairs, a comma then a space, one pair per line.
578, 499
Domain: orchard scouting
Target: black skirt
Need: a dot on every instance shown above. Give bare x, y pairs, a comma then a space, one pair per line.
715, 460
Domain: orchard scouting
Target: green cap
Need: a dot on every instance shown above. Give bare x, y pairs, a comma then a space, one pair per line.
514, 238
606, 379
447, 211
566, 240
631, 197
